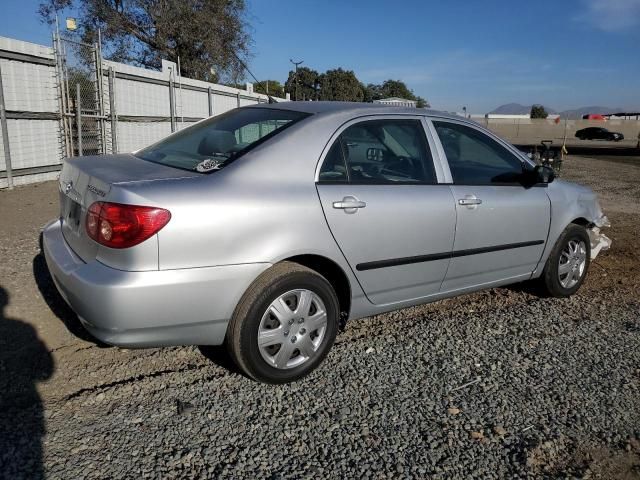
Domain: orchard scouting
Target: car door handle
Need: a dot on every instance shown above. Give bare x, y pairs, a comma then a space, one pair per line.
349, 204
470, 201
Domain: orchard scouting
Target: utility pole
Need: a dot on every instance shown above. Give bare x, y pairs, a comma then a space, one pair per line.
296, 76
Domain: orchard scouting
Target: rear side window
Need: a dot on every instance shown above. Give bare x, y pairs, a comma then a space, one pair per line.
380, 152
220, 139
475, 158
333, 168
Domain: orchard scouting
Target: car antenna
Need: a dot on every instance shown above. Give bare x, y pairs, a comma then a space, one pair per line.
244, 65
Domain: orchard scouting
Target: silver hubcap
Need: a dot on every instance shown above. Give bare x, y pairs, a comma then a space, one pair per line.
292, 329
573, 261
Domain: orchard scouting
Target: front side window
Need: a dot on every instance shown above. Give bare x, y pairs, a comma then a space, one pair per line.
380, 151
476, 159
221, 139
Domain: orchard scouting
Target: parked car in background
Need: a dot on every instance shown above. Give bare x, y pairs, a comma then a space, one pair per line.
598, 133
267, 227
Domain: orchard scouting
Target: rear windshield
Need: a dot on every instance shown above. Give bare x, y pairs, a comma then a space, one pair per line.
213, 143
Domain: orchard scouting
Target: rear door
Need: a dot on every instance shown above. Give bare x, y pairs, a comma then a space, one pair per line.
502, 225
394, 223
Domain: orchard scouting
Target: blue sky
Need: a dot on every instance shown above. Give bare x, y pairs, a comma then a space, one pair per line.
481, 54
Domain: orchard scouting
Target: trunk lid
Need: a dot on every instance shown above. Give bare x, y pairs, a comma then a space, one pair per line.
85, 180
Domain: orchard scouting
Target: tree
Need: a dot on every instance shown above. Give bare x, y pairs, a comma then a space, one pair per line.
372, 92
422, 102
340, 85
396, 88
209, 36
307, 84
538, 111
276, 89
393, 88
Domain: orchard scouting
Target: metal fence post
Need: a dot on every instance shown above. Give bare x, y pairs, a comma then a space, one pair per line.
210, 98
172, 107
78, 119
102, 120
238, 99
62, 101
112, 111
5, 136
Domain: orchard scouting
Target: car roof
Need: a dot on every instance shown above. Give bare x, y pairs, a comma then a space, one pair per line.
352, 107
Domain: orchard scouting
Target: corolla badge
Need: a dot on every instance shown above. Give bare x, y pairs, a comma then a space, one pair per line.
97, 191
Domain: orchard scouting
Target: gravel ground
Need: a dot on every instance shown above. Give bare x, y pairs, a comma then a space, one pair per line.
495, 384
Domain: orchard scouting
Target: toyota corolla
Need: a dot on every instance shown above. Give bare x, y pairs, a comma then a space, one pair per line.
267, 227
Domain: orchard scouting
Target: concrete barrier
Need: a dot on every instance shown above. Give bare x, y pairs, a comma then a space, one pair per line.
533, 131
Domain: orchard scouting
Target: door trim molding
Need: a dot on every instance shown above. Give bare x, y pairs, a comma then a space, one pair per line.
394, 262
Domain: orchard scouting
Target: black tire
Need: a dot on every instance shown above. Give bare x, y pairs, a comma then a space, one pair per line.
242, 333
550, 279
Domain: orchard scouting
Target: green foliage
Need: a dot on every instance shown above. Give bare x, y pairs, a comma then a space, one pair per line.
343, 85
340, 85
422, 102
205, 34
392, 88
306, 86
276, 89
538, 111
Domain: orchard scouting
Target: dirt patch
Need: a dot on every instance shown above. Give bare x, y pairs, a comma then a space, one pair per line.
562, 457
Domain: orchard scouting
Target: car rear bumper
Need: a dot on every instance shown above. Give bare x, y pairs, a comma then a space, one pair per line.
151, 308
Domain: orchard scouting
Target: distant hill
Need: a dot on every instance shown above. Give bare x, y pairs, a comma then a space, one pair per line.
579, 112
517, 109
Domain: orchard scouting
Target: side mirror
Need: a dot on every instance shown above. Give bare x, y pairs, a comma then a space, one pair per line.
544, 174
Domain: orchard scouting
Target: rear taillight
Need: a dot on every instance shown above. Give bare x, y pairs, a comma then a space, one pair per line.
117, 225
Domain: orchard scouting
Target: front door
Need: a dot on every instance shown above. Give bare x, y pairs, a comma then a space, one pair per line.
502, 225
393, 222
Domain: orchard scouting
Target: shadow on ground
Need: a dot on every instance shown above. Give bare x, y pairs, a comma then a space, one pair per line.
57, 304
219, 355
24, 361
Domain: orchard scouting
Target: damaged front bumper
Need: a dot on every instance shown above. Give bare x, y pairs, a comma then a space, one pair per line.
599, 241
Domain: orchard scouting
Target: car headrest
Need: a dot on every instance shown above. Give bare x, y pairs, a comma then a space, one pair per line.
217, 141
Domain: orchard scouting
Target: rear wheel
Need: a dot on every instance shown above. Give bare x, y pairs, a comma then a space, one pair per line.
567, 265
284, 325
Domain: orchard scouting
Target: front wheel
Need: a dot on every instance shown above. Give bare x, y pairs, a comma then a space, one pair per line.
284, 325
567, 265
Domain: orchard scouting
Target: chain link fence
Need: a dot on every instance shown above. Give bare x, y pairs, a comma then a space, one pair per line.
83, 115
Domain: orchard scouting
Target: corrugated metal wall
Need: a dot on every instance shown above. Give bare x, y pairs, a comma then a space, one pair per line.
31, 101
141, 99
142, 102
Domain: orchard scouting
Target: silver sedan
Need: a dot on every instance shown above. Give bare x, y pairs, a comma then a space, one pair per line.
267, 227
